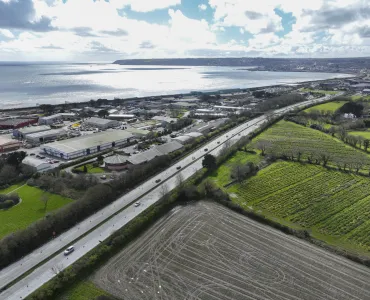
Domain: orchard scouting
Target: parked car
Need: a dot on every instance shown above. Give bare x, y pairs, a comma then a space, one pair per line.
103, 177
69, 250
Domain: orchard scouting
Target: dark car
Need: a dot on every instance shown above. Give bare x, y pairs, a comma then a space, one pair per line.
178, 168
206, 149
158, 180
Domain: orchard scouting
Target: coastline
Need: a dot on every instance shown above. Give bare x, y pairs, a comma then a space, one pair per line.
79, 104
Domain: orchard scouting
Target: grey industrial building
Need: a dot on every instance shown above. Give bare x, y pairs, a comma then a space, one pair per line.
21, 133
48, 120
101, 123
44, 136
88, 144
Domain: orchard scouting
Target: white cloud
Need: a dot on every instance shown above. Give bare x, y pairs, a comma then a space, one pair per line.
145, 5
241, 30
7, 33
202, 7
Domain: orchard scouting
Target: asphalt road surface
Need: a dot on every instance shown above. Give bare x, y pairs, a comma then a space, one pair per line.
206, 251
149, 193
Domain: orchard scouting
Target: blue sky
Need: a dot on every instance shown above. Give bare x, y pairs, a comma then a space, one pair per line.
85, 30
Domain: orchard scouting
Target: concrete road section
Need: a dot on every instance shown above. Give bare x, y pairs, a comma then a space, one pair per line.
206, 251
149, 193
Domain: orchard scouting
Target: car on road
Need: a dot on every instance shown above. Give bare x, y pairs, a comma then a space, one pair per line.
218, 142
55, 161
137, 204
227, 136
32, 154
69, 250
178, 168
103, 177
158, 180
206, 149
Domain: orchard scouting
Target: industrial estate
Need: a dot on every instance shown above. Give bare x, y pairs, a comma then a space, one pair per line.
239, 194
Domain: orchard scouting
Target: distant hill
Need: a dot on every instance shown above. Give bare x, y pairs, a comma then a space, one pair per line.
347, 65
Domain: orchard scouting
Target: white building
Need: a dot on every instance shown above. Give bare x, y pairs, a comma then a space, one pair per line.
101, 123
86, 145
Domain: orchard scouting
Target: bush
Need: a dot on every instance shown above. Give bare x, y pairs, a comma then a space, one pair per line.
6, 204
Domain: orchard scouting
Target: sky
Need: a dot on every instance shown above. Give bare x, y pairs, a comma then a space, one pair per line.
106, 30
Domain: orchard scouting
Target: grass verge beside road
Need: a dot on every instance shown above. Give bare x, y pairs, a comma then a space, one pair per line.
82, 290
29, 210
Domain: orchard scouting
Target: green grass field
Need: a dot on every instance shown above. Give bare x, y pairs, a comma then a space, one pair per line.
222, 175
29, 210
330, 106
287, 136
328, 202
91, 169
83, 290
364, 134
320, 91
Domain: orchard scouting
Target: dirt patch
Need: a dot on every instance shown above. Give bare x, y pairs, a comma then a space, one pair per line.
205, 251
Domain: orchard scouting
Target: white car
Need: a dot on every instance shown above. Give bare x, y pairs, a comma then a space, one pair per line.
137, 204
69, 250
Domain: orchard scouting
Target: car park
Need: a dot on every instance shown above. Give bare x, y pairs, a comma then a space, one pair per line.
69, 250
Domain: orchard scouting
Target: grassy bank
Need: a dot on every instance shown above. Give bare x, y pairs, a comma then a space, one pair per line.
29, 210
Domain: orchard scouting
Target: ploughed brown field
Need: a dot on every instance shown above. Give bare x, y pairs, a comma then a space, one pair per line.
205, 251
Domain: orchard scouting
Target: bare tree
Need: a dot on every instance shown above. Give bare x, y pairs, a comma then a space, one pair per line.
262, 145
45, 199
325, 158
179, 180
164, 191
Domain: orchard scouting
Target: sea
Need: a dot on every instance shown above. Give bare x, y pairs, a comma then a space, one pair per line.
32, 84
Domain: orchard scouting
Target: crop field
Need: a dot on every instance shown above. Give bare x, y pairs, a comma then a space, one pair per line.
333, 203
206, 251
222, 175
330, 106
288, 136
29, 210
364, 134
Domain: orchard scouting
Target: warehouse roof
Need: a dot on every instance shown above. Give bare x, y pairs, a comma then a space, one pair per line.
169, 147
115, 159
137, 131
51, 117
164, 119
99, 121
32, 129
46, 133
182, 138
34, 162
4, 140
194, 134
89, 141
144, 157
14, 122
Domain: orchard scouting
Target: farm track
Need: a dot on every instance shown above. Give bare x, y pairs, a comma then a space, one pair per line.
205, 251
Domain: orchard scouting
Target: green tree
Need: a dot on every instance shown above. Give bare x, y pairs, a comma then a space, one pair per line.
103, 113
209, 162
